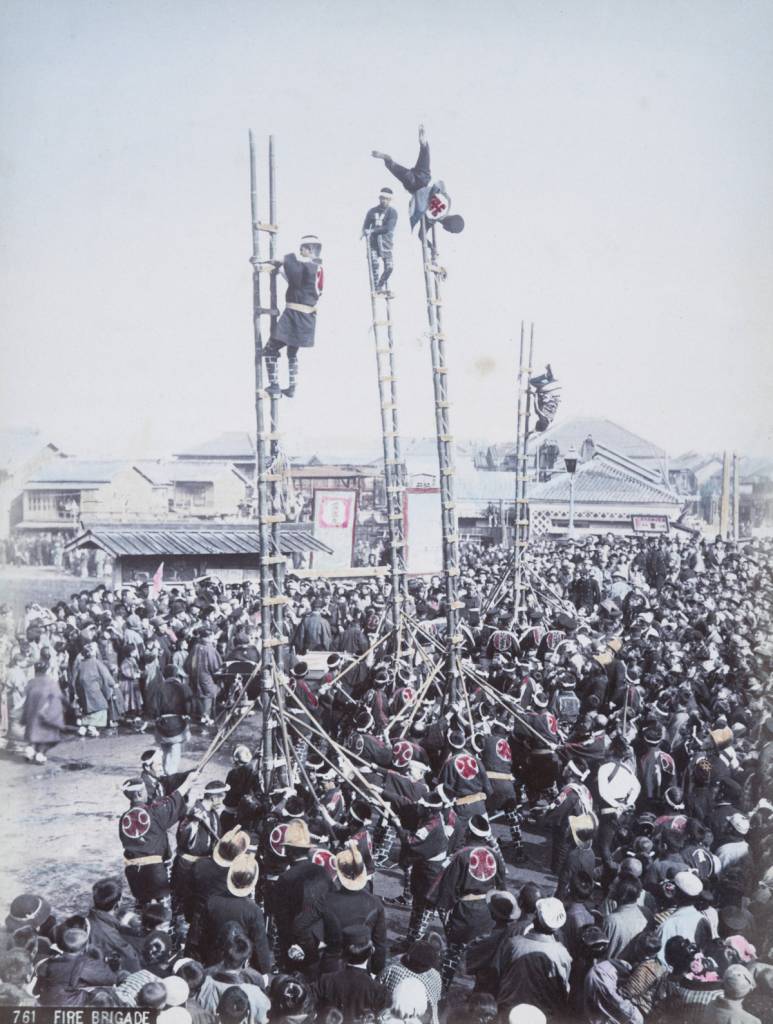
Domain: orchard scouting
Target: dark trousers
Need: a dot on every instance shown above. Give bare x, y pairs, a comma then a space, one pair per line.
415, 177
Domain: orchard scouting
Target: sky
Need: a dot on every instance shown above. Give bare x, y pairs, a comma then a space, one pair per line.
612, 160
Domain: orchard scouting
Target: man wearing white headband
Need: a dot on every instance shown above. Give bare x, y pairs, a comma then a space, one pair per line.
379, 228
295, 327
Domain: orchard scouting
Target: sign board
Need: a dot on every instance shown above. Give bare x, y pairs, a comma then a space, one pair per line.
334, 514
423, 530
650, 524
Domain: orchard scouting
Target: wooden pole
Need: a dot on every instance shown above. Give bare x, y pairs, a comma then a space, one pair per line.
432, 276
724, 505
261, 490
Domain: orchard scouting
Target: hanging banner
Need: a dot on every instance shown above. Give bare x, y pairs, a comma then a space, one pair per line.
334, 515
423, 530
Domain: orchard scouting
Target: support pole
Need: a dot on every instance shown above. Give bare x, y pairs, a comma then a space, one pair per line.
523, 417
724, 506
432, 276
276, 503
269, 554
736, 500
394, 482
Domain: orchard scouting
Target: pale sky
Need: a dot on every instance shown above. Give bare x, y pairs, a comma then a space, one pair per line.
613, 161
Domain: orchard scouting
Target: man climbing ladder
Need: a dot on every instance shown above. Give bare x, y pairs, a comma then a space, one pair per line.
295, 327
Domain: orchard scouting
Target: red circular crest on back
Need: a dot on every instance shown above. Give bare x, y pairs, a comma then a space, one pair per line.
402, 753
135, 823
483, 865
503, 751
277, 840
502, 641
325, 859
466, 766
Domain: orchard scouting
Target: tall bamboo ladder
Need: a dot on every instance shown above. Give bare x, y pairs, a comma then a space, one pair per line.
433, 275
521, 506
268, 480
394, 476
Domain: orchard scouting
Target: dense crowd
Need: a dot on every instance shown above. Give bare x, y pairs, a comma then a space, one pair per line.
580, 817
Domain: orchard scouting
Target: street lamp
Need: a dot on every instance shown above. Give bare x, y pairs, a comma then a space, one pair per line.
570, 461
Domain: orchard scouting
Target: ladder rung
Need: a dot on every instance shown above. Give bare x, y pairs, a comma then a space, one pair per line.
267, 311
449, 506
388, 405
278, 518
274, 641
440, 336
266, 268
382, 351
436, 302
446, 438
270, 476
457, 604
396, 488
272, 229
395, 515
443, 405
391, 433
448, 472
383, 379
453, 571
382, 323
440, 369
269, 436
522, 522
272, 560
393, 462
279, 599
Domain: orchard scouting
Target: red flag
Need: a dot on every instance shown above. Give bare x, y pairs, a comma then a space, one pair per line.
155, 586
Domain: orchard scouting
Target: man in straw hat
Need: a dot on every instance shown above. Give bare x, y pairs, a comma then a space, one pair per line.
210, 877
237, 906
352, 904
296, 899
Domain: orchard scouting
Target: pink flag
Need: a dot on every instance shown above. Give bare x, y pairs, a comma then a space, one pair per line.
155, 585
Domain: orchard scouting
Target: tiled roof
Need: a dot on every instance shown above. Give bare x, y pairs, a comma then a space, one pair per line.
604, 432
169, 471
181, 538
597, 483
74, 472
232, 444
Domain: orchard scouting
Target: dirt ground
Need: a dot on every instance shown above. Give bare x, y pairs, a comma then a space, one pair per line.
60, 820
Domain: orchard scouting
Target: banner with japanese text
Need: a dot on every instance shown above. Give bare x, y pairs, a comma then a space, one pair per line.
334, 517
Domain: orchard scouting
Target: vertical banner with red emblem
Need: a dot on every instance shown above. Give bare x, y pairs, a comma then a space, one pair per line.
334, 515
423, 530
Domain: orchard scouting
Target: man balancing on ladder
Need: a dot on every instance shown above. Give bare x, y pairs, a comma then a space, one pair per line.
295, 327
427, 197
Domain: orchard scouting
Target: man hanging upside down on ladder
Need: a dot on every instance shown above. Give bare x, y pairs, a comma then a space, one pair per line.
547, 395
295, 327
427, 197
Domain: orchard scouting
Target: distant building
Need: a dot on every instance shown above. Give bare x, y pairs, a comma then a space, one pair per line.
612, 494
22, 453
189, 549
65, 491
546, 451
208, 489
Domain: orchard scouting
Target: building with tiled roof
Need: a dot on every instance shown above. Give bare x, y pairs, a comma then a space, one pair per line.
612, 494
190, 549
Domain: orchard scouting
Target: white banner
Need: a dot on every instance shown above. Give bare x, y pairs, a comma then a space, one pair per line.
334, 515
423, 530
